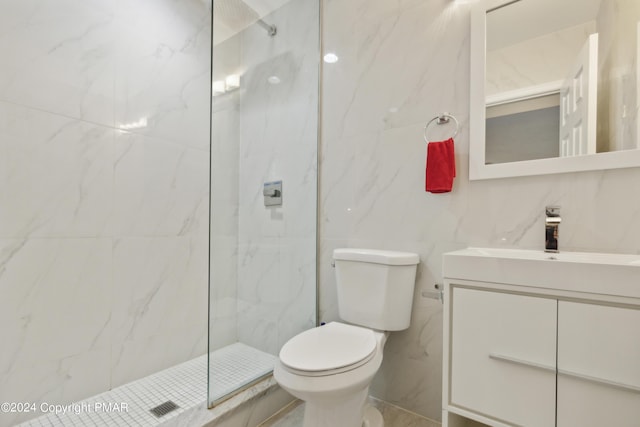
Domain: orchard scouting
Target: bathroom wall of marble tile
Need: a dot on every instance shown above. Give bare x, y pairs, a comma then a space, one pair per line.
104, 142
401, 63
271, 122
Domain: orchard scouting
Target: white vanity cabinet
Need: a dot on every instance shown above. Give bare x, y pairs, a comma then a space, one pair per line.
525, 345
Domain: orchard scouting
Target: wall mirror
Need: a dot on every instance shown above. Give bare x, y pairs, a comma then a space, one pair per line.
555, 86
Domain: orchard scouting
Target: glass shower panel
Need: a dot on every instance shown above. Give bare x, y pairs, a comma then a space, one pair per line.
265, 128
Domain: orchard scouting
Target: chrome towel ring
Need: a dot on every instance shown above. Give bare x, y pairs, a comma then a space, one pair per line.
441, 119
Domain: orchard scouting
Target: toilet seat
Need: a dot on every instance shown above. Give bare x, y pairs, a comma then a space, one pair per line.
327, 350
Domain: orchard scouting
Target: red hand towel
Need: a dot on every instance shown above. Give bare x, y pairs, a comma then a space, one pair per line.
441, 166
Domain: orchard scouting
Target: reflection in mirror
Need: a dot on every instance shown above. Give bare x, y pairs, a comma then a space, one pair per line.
561, 78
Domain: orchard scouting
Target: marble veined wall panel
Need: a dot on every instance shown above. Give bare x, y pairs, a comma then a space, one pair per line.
57, 175
55, 316
60, 57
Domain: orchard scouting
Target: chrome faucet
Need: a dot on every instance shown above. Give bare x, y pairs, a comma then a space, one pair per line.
551, 225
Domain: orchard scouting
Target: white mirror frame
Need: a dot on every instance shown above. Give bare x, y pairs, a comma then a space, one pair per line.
478, 170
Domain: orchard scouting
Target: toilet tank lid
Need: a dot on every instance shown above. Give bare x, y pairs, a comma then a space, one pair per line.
376, 256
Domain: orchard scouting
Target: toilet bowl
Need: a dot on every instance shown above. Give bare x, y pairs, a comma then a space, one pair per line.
330, 367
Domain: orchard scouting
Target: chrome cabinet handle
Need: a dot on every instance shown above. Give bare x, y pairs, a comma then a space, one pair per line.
564, 372
522, 362
601, 381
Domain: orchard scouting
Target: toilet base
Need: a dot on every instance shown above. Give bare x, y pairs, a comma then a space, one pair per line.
372, 417
343, 412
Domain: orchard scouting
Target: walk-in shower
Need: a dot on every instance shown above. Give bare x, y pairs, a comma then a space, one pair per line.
137, 257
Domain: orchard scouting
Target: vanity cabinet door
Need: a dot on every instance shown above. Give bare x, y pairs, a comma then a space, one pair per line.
598, 365
503, 356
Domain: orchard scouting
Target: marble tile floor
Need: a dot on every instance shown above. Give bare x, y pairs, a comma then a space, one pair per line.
184, 384
292, 415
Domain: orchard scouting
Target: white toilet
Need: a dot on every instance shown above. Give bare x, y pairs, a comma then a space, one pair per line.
331, 367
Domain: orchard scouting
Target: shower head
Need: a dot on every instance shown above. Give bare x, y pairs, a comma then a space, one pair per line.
237, 15
272, 30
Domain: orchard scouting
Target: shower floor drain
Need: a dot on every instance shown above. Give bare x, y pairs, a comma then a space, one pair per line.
164, 408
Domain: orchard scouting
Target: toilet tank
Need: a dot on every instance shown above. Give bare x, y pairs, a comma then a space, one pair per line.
375, 288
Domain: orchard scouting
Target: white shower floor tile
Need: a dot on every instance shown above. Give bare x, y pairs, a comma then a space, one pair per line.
237, 365
185, 385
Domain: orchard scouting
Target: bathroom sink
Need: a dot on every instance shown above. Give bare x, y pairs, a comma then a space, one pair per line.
598, 273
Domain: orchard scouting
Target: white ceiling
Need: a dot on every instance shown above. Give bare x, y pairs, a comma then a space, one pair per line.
528, 19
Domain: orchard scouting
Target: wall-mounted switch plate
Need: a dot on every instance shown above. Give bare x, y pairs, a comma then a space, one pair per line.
272, 192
